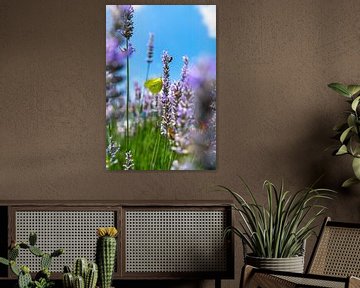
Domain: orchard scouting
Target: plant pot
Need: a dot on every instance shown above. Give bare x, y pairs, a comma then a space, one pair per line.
291, 264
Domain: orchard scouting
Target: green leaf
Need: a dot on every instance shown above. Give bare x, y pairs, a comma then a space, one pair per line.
36, 251
4, 261
342, 150
32, 238
354, 145
349, 182
13, 253
340, 88
355, 103
345, 134
356, 167
14, 268
353, 89
154, 85
351, 120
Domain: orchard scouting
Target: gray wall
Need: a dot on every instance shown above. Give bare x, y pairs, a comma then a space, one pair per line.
275, 113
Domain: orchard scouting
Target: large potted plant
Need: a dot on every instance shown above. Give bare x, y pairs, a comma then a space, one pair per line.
275, 233
348, 132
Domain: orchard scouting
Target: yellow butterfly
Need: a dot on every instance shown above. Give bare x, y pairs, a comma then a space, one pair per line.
154, 85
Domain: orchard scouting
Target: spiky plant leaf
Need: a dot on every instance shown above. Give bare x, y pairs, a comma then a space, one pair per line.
349, 182
57, 252
36, 251
280, 228
45, 261
13, 253
14, 268
23, 245
32, 238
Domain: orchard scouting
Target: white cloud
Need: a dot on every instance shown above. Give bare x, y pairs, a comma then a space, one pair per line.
208, 13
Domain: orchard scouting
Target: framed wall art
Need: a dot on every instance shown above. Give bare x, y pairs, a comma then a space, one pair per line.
161, 87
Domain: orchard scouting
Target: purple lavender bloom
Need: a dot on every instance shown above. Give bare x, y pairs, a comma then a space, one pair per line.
174, 98
150, 50
129, 51
204, 70
166, 115
185, 122
109, 111
115, 11
184, 70
166, 59
113, 54
137, 89
184, 165
127, 13
202, 78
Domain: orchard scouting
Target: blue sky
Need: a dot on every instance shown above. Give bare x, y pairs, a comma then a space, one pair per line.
180, 29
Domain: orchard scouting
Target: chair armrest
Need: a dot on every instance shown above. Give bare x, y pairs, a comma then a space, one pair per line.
354, 282
254, 277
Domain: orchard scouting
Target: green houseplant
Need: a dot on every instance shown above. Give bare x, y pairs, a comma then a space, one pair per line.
42, 278
106, 254
84, 274
348, 132
275, 233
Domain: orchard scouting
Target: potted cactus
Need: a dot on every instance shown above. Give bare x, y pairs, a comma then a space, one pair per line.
106, 254
42, 278
85, 275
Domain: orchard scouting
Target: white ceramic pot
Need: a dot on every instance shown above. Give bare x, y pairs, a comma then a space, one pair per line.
291, 264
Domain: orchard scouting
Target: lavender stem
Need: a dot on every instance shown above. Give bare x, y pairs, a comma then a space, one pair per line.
127, 94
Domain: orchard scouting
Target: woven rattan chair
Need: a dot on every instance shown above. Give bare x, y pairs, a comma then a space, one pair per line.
334, 263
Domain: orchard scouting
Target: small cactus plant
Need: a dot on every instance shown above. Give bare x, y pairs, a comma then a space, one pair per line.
85, 275
42, 278
106, 254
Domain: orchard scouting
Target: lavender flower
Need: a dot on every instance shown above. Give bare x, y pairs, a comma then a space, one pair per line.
175, 96
129, 51
202, 72
202, 77
109, 111
137, 89
129, 162
114, 63
166, 59
184, 165
150, 106
127, 13
112, 51
115, 11
116, 56
150, 50
112, 151
165, 101
184, 70
185, 122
